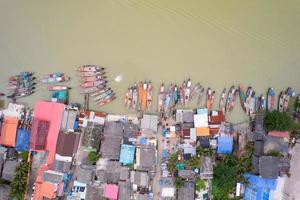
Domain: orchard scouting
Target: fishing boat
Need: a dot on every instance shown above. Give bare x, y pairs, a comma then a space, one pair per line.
2, 94
242, 97
109, 96
195, 90
92, 83
21, 80
248, 99
52, 75
210, 97
134, 97
252, 104
92, 78
57, 87
90, 68
260, 103
143, 96
23, 85
167, 102
281, 101
21, 76
271, 99
222, 100
22, 90
200, 96
85, 74
92, 89
161, 98
149, 96
175, 95
98, 92
55, 79
187, 92
22, 94
289, 94
128, 95
103, 95
107, 101
230, 99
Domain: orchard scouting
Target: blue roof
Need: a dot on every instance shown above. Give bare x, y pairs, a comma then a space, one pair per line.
259, 188
127, 154
225, 144
202, 111
22, 141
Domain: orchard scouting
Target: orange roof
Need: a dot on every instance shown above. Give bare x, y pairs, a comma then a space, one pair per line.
48, 190
282, 134
202, 131
9, 131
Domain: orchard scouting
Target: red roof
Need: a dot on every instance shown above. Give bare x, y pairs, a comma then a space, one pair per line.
52, 112
216, 119
186, 133
111, 192
9, 131
281, 134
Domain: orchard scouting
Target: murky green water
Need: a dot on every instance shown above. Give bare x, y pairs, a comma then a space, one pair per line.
216, 43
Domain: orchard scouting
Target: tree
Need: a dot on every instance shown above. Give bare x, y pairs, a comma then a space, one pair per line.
173, 160
178, 183
194, 162
93, 157
200, 184
278, 121
204, 152
18, 184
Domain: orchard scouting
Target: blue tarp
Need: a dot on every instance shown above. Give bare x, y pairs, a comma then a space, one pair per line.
259, 188
165, 153
127, 154
225, 144
22, 141
143, 141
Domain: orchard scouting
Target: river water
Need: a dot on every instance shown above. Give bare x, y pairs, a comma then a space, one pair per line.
218, 44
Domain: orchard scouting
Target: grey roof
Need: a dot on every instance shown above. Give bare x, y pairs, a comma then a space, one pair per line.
255, 162
113, 128
275, 144
185, 116
268, 166
110, 173
83, 175
130, 130
94, 191
124, 173
92, 135
52, 176
62, 166
258, 147
147, 157
68, 120
110, 147
204, 142
186, 174
149, 122
142, 196
206, 171
9, 169
284, 164
125, 190
4, 192
140, 178
11, 153
187, 192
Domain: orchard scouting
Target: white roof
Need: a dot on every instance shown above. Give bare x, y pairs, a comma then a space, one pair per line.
201, 120
149, 122
168, 192
193, 135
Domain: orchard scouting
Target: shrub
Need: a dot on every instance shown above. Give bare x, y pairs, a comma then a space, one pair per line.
93, 157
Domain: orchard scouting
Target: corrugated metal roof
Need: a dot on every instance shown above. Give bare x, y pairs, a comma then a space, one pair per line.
9, 131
